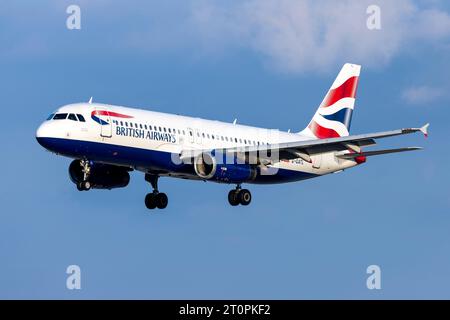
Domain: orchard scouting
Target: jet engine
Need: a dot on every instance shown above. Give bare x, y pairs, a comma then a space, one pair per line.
208, 167
101, 176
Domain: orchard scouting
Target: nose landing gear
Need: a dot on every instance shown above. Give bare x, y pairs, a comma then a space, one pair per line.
155, 199
239, 196
84, 185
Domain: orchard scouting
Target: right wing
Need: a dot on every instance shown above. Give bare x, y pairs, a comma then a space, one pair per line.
376, 152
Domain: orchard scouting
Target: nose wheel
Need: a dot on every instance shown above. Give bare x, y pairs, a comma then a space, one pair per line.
83, 186
155, 199
239, 196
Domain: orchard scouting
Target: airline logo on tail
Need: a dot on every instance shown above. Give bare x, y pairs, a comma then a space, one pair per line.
332, 119
96, 113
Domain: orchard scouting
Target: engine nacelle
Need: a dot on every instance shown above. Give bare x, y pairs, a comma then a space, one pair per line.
207, 167
101, 176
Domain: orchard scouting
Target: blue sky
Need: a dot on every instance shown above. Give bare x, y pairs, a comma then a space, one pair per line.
268, 64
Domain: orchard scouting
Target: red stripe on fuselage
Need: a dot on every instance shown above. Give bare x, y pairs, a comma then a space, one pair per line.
110, 113
345, 90
322, 132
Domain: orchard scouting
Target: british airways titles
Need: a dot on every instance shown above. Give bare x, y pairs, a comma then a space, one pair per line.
145, 134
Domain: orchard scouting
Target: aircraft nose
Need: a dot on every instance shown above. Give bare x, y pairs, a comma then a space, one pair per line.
42, 135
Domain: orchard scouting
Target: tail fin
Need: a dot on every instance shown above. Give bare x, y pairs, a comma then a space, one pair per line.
333, 117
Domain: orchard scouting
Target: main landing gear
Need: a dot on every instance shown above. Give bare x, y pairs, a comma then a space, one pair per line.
155, 199
84, 185
239, 196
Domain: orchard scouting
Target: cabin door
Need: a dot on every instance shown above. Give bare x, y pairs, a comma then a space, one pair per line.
105, 121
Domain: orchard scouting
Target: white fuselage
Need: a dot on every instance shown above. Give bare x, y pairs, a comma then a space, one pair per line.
147, 141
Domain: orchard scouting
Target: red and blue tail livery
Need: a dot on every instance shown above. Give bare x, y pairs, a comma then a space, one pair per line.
107, 142
334, 115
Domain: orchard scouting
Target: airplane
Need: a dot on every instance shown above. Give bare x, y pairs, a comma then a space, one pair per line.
107, 142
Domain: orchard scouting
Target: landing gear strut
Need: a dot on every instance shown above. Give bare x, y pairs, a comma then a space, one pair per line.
239, 196
155, 199
85, 185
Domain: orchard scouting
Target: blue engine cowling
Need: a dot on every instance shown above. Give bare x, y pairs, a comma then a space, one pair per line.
210, 167
102, 176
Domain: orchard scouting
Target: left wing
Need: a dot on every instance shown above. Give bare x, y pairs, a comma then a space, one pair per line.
303, 149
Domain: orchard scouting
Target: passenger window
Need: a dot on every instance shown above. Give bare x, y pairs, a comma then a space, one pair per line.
207, 135
235, 139
184, 133
169, 130
60, 116
141, 126
50, 117
203, 134
126, 124
121, 123
160, 129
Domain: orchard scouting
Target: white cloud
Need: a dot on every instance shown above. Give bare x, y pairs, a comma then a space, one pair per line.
422, 94
295, 36
288, 35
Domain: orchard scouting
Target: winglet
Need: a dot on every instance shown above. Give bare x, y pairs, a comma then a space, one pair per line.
90, 100
424, 130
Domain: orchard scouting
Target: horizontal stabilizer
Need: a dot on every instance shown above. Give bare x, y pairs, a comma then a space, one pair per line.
376, 152
424, 130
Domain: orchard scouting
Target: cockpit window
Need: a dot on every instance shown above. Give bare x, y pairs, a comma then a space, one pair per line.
80, 117
72, 117
50, 117
60, 116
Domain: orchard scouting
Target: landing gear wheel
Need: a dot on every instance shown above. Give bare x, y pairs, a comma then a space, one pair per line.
150, 201
155, 199
233, 197
245, 197
87, 185
83, 186
161, 200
